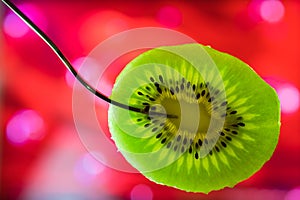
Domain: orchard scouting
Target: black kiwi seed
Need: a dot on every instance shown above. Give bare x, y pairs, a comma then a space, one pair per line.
203, 93
159, 90
169, 145
147, 108
228, 138
161, 78
154, 129
163, 140
150, 98
223, 144
224, 103
182, 86
172, 90
182, 149
175, 148
206, 141
188, 85
234, 132
194, 87
241, 124
200, 142
159, 135
190, 149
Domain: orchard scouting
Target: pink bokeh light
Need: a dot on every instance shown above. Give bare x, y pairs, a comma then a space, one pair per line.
86, 67
24, 126
88, 169
293, 194
272, 11
141, 192
289, 98
16, 28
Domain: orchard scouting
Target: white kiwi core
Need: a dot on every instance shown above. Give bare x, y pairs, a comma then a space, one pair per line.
191, 116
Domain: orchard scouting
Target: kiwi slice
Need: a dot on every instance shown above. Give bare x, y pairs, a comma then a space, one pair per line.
210, 120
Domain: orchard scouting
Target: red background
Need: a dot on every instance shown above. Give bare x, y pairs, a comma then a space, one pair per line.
32, 77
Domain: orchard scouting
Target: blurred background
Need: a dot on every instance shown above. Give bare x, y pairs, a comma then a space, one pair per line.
42, 156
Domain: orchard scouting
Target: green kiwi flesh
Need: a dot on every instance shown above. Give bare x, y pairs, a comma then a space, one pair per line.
227, 123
